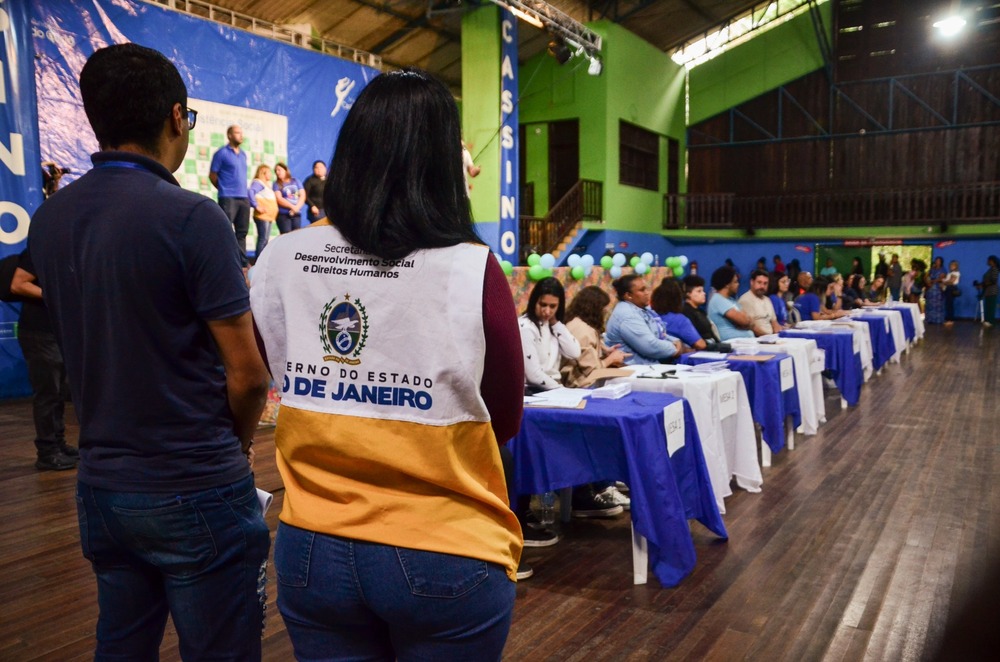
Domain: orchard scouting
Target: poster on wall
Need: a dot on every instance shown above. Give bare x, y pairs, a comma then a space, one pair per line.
265, 141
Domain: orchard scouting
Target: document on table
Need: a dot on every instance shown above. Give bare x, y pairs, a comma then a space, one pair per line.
561, 398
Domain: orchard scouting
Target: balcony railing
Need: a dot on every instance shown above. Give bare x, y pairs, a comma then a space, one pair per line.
951, 204
583, 202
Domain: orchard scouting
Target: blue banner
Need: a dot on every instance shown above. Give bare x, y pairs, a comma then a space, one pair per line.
509, 172
20, 173
249, 80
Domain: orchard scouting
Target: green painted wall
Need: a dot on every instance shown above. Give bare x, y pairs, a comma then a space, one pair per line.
481, 107
640, 85
775, 57
536, 144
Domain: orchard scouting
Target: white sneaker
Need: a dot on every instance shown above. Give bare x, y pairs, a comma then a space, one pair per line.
618, 498
987, 325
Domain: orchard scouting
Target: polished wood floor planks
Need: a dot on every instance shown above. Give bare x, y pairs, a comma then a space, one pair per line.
865, 541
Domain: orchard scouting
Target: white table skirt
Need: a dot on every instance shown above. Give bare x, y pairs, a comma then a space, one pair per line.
727, 433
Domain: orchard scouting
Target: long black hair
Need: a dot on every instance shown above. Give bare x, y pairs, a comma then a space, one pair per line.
396, 181
545, 286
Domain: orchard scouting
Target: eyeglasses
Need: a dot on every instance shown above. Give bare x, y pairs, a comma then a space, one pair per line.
192, 116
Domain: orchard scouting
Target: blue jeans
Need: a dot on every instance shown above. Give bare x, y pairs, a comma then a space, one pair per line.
200, 556
346, 599
263, 234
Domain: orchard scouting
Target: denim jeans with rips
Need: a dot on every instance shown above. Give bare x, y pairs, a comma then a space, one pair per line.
345, 599
201, 556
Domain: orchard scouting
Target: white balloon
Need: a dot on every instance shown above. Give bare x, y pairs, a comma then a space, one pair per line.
573, 260
619, 260
548, 261
587, 268
647, 257
616, 270
684, 260
587, 260
641, 268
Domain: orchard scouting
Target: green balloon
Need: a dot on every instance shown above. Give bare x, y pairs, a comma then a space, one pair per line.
673, 262
577, 273
607, 262
678, 271
507, 266
536, 271
534, 259
634, 261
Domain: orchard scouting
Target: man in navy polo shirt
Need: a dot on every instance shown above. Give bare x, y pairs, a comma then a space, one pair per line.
228, 173
154, 323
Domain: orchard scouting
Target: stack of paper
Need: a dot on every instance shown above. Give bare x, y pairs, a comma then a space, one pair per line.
612, 391
711, 366
562, 398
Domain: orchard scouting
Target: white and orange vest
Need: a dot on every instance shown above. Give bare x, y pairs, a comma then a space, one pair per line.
383, 435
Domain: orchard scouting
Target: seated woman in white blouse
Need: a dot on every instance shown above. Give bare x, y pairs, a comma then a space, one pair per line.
545, 340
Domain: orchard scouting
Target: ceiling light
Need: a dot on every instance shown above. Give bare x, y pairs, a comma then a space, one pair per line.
951, 26
559, 50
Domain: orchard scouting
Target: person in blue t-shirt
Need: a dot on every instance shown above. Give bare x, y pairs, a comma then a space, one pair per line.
228, 173
812, 305
667, 302
291, 197
723, 308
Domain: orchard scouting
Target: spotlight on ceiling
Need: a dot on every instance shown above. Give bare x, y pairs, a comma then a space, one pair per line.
951, 26
596, 67
559, 50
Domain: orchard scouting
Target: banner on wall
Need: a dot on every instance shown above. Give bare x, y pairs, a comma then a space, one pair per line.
509, 175
249, 77
20, 173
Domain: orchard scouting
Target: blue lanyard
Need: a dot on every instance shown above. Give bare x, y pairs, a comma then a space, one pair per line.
122, 164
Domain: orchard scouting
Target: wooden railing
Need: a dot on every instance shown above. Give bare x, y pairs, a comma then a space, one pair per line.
949, 204
583, 202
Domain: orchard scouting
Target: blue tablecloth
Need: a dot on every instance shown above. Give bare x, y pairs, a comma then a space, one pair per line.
768, 404
625, 440
882, 345
909, 326
841, 361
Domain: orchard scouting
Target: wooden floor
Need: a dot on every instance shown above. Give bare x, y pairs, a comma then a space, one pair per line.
864, 541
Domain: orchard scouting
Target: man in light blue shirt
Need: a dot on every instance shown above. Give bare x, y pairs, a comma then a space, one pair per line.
723, 308
635, 327
228, 173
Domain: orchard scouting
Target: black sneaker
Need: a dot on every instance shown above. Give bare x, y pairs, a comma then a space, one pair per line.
598, 505
57, 462
69, 451
539, 537
524, 570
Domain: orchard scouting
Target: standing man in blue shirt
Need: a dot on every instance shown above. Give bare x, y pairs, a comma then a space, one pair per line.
228, 173
168, 384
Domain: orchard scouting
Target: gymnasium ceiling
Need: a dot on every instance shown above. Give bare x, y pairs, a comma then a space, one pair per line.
427, 33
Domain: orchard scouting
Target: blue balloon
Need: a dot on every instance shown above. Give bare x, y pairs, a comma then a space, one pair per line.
619, 260
548, 261
616, 271
587, 261
647, 257
573, 260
